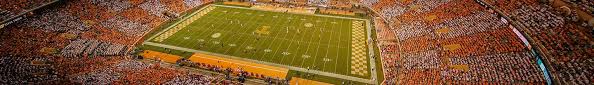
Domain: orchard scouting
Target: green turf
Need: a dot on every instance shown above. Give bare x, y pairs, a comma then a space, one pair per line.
289, 41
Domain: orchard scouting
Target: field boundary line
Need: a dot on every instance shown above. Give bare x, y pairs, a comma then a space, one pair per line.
292, 13
266, 63
371, 80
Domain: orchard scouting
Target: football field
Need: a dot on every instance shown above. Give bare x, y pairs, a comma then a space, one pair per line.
335, 45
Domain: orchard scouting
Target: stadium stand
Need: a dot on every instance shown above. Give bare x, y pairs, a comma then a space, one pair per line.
482, 34
436, 35
566, 44
585, 5
23, 70
104, 29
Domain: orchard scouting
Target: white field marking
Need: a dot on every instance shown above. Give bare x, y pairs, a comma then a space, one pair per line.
327, 59
179, 27
223, 25
201, 33
207, 31
256, 24
299, 46
307, 50
329, 40
243, 43
279, 38
273, 39
318, 47
290, 44
267, 50
216, 35
294, 13
299, 43
280, 44
282, 38
179, 21
305, 55
233, 18
356, 79
235, 34
286, 53
249, 47
335, 75
338, 50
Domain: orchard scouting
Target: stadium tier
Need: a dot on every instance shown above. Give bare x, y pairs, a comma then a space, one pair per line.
297, 42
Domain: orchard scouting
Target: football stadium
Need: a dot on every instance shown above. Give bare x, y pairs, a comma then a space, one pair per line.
297, 42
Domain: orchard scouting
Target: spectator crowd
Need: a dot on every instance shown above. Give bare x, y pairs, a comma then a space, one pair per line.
88, 41
566, 43
454, 42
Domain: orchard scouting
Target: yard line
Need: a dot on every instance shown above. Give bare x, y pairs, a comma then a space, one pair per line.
318, 47
207, 30
299, 43
219, 25
219, 20
240, 49
307, 50
203, 31
338, 49
235, 34
182, 42
348, 64
225, 26
280, 45
290, 43
273, 39
327, 49
258, 25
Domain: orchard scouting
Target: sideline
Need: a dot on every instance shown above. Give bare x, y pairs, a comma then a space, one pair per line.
266, 63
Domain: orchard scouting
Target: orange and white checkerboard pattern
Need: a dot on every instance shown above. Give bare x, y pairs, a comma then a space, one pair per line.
183, 24
359, 50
